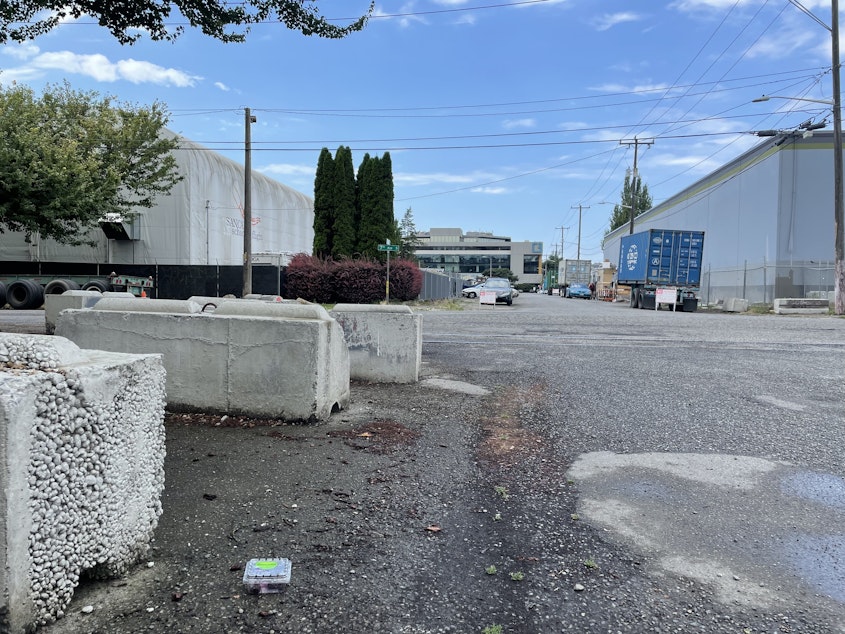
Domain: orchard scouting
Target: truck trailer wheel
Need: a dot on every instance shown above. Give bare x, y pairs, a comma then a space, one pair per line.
2, 294
25, 295
95, 285
635, 294
57, 287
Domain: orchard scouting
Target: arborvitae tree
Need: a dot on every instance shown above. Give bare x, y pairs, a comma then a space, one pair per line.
409, 240
369, 236
324, 204
388, 219
622, 212
343, 228
375, 206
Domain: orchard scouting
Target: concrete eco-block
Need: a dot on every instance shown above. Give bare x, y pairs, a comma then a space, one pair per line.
259, 359
385, 342
81, 468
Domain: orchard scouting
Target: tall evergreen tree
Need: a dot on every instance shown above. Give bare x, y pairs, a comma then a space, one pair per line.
375, 206
388, 218
409, 239
324, 204
639, 200
343, 240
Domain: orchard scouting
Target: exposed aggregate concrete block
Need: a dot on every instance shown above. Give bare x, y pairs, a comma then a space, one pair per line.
82, 470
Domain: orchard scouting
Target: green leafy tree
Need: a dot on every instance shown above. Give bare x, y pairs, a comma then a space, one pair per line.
343, 195
324, 204
637, 198
409, 240
69, 158
376, 223
166, 19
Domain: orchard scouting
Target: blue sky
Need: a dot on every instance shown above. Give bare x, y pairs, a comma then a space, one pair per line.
499, 115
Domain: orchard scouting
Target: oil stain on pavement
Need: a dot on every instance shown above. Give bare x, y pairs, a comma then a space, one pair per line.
761, 533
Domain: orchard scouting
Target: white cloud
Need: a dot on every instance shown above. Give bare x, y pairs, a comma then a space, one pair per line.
696, 5
510, 124
221, 86
404, 15
288, 169
613, 88
145, 72
21, 51
609, 20
439, 178
783, 45
496, 191
100, 68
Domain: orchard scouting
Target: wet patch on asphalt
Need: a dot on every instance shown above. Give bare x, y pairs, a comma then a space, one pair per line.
761, 533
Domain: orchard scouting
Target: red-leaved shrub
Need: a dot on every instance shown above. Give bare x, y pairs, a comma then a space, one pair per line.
358, 281
309, 278
405, 280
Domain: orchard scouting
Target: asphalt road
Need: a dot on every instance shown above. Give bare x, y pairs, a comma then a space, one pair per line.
707, 445
569, 466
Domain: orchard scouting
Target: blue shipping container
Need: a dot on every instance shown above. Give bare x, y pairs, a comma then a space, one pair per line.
665, 257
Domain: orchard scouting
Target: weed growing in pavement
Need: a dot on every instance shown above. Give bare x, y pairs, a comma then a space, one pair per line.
497, 517
437, 304
590, 563
760, 309
517, 576
492, 629
490, 570
502, 492
575, 517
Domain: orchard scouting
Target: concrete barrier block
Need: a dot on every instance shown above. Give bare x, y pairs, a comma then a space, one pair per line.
259, 360
54, 304
292, 310
735, 305
297, 369
194, 349
385, 342
82, 451
144, 305
801, 306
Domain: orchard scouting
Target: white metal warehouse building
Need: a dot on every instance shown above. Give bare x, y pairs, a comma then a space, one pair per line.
767, 217
199, 222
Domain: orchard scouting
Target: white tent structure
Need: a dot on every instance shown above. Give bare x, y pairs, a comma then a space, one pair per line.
199, 222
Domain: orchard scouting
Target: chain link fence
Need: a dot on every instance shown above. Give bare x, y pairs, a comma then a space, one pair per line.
438, 285
762, 283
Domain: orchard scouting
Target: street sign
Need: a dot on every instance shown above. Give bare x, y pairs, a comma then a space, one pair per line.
388, 247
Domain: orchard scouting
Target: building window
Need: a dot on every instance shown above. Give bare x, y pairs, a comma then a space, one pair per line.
531, 264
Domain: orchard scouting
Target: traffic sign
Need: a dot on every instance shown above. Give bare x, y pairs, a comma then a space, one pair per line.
388, 247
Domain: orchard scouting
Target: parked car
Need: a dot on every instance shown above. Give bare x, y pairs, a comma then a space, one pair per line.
501, 286
514, 292
578, 290
472, 291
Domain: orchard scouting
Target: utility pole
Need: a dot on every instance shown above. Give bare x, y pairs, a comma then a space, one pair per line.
580, 207
247, 265
838, 202
578, 252
636, 143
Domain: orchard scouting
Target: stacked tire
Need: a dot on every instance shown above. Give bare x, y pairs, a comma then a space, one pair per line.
25, 295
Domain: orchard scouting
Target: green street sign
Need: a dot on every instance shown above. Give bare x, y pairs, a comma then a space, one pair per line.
388, 247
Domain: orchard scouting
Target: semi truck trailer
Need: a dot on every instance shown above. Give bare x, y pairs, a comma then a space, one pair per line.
665, 262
